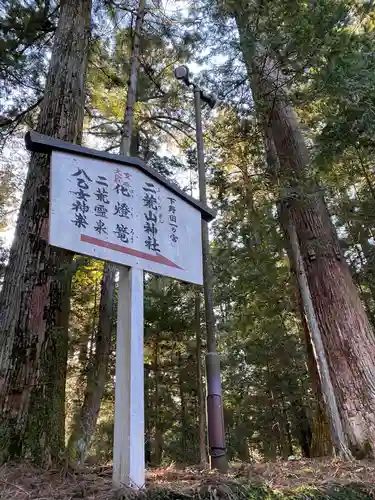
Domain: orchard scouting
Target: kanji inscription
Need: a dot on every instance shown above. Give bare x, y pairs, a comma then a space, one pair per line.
119, 213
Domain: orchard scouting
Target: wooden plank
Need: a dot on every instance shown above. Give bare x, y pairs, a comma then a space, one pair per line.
129, 448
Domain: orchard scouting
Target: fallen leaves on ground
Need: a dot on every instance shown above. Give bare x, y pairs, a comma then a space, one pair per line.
23, 481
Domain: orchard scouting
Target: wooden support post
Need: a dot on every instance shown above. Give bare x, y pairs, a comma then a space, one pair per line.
129, 449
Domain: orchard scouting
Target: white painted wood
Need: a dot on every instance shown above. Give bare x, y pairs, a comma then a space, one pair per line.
129, 444
160, 232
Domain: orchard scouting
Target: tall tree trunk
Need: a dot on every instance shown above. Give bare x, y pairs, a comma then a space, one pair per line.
84, 423
321, 444
200, 385
34, 303
346, 332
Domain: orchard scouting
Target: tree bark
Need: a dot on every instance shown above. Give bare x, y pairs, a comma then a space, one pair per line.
34, 302
347, 335
84, 424
321, 442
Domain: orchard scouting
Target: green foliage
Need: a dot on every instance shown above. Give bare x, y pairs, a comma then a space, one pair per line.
83, 323
158, 114
171, 391
26, 32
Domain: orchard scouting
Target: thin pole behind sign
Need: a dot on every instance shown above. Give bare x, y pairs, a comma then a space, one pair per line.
215, 414
129, 450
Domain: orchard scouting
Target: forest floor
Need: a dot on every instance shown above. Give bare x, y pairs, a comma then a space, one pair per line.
297, 480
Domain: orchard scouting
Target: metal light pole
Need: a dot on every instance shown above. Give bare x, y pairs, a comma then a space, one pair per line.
215, 416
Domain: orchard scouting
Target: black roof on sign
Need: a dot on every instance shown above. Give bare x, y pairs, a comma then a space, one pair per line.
40, 143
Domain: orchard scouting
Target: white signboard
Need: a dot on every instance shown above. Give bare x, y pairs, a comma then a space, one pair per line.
118, 213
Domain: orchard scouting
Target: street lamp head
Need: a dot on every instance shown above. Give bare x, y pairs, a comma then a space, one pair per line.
182, 73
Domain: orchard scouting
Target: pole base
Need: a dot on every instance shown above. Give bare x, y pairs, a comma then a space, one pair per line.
219, 463
215, 416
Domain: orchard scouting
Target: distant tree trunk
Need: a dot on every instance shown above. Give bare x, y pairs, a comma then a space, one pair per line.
347, 335
302, 422
34, 302
84, 423
242, 444
127, 129
364, 275
286, 424
148, 457
200, 385
275, 420
94, 320
321, 442
183, 440
303, 429
157, 452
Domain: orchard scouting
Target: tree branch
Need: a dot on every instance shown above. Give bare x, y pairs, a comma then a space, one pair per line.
15, 121
170, 134
166, 117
